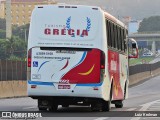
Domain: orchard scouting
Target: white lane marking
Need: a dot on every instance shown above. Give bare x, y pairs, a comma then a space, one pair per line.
131, 109
33, 107
145, 107
102, 118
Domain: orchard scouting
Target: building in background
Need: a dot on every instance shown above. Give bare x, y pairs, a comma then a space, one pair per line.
21, 10
2, 8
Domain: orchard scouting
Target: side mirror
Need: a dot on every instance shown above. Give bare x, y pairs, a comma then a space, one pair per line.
134, 49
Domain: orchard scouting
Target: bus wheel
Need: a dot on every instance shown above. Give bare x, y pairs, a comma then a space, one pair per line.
65, 105
119, 104
106, 106
125, 91
53, 108
96, 106
42, 108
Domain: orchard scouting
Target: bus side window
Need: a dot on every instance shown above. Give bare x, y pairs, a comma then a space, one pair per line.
116, 37
108, 33
112, 35
125, 44
119, 40
122, 39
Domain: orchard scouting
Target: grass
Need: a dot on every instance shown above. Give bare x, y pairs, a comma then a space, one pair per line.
144, 60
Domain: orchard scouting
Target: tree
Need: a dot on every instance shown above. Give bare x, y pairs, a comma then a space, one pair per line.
16, 47
21, 31
3, 54
2, 24
2, 28
13, 48
150, 24
2, 34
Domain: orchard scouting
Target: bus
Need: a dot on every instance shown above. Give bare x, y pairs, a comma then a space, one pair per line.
77, 55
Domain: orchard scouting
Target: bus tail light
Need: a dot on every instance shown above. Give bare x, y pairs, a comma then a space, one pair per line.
29, 64
102, 65
29, 57
33, 86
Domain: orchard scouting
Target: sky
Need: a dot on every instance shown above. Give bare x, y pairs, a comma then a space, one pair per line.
137, 9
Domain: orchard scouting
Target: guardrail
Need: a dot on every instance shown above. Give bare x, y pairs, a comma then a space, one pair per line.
140, 72
13, 76
12, 70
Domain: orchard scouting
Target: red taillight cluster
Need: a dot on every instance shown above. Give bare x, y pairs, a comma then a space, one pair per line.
29, 57
102, 66
102, 59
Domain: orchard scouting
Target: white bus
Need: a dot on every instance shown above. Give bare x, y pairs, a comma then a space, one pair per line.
77, 55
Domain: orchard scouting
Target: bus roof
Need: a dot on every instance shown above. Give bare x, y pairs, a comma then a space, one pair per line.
107, 15
113, 19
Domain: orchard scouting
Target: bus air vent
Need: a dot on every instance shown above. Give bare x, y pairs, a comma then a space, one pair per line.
95, 8
61, 6
40, 7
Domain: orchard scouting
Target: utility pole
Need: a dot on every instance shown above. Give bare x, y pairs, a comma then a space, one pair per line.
8, 19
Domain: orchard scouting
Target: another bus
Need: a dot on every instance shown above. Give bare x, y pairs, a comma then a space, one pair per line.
77, 55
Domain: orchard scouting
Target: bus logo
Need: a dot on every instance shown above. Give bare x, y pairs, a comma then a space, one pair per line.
68, 30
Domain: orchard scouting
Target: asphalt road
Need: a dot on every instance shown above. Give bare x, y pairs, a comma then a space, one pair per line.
143, 97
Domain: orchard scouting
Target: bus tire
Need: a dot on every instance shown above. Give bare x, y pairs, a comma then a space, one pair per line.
65, 105
53, 108
106, 106
125, 90
119, 104
42, 109
96, 106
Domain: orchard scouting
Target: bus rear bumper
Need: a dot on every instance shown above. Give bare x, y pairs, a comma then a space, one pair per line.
76, 90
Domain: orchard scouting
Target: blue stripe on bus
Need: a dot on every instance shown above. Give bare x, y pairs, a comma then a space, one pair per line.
93, 84
40, 83
52, 84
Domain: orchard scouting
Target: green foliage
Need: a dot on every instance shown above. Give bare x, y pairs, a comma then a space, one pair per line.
21, 31
2, 24
3, 54
150, 24
2, 28
13, 48
2, 34
144, 60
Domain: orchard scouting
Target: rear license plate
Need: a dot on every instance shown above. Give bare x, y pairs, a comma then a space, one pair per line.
64, 86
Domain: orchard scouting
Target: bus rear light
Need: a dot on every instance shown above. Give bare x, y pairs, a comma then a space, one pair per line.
29, 62
33, 86
95, 88
102, 65
29, 57
102, 60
